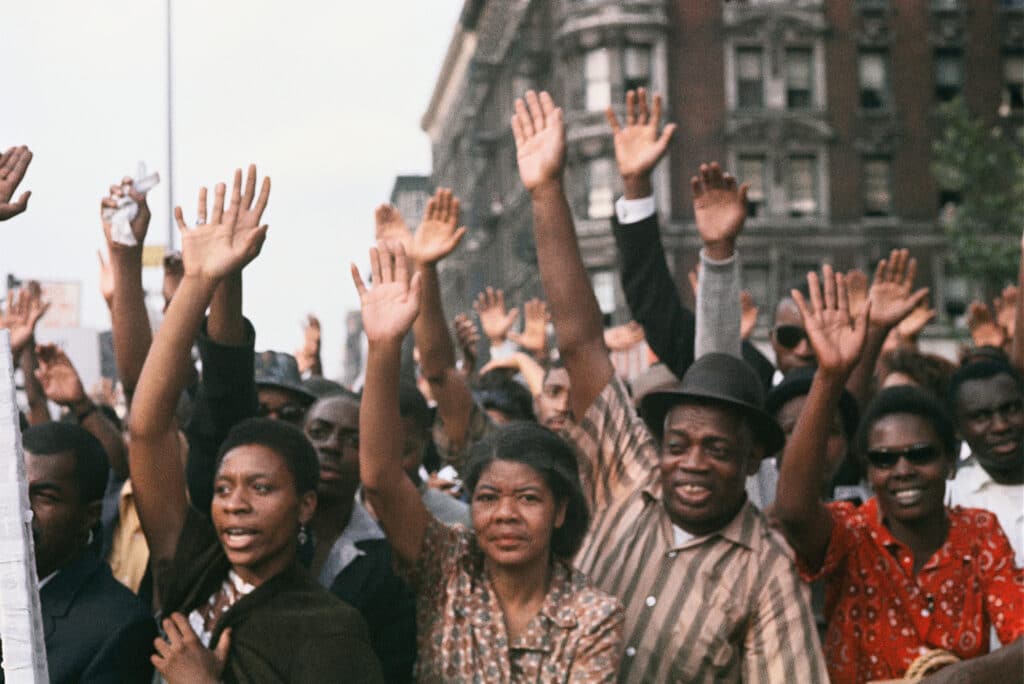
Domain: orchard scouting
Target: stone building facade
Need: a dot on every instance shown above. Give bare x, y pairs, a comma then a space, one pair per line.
826, 107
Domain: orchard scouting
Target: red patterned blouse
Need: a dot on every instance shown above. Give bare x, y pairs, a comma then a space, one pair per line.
881, 617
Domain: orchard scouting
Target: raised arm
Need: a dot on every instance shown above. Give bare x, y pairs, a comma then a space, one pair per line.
892, 299
389, 309
129, 319
62, 385
13, 165
838, 342
540, 151
435, 238
211, 251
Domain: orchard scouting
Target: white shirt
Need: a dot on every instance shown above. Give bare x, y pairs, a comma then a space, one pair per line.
974, 488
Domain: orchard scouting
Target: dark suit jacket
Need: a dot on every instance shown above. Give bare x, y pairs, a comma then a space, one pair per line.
653, 298
96, 630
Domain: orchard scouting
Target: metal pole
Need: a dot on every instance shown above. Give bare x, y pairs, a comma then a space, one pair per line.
171, 227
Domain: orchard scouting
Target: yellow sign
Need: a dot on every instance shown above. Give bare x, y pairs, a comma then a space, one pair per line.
153, 255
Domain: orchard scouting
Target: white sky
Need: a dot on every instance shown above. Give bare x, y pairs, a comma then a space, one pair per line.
325, 97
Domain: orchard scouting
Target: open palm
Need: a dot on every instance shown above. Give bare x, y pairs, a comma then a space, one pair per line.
890, 293
59, 379
719, 205
13, 165
437, 234
392, 304
540, 139
638, 144
838, 341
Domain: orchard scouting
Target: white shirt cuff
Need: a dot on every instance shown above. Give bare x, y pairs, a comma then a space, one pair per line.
634, 211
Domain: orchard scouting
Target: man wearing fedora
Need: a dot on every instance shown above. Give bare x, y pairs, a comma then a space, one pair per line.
710, 591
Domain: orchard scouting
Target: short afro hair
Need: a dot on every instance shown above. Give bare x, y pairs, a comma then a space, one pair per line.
282, 438
911, 400
496, 390
979, 370
552, 457
91, 466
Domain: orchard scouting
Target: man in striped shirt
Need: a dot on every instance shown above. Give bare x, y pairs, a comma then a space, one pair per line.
711, 593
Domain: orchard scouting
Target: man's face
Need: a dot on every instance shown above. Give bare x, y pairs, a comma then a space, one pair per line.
414, 441
789, 340
552, 406
990, 417
60, 520
333, 428
706, 455
837, 445
280, 404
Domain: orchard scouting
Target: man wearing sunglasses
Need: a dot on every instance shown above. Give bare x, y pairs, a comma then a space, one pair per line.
789, 340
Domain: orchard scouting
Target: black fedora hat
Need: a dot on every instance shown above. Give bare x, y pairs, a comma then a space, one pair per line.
722, 379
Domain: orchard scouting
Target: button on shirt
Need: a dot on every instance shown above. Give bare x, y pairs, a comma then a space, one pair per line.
881, 617
727, 607
575, 637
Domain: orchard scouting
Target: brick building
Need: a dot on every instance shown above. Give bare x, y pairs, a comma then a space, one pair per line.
826, 107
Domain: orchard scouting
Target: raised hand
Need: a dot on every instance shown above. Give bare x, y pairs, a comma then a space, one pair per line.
437, 235
391, 306
494, 319
21, 316
58, 377
890, 293
540, 140
389, 225
308, 355
623, 337
1006, 309
719, 208
13, 164
249, 214
174, 271
638, 145
534, 337
837, 339
985, 332
139, 224
215, 249
748, 314
911, 326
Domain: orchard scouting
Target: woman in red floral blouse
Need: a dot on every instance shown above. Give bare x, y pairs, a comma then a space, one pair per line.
903, 574
499, 603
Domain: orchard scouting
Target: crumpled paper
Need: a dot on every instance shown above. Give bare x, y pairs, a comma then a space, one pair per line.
120, 219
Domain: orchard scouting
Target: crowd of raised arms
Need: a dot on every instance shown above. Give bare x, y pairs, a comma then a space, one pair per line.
851, 512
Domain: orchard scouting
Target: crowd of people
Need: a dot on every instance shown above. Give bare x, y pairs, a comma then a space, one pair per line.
851, 511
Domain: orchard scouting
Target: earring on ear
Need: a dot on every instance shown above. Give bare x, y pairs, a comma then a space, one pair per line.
303, 536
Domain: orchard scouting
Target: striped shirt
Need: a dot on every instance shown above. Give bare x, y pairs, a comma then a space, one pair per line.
727, 607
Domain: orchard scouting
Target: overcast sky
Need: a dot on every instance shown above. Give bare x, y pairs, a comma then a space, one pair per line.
325, 97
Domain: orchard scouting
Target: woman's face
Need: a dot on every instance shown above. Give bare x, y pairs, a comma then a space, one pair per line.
257, 512
514, 514
913, 486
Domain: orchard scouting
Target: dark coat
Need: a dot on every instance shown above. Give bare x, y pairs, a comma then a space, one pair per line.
96, 630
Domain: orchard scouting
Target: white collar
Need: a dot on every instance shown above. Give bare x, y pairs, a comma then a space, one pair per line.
361, 527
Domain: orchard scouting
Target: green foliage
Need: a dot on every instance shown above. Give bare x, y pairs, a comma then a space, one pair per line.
986, 167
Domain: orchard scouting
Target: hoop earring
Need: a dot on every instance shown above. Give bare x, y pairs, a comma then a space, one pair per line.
303, 535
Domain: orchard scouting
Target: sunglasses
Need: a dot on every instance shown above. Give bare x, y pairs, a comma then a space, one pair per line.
918, 454
789, 336
289, 413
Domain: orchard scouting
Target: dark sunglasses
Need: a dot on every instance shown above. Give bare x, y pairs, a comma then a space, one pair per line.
289, 413
789, 336
918, 454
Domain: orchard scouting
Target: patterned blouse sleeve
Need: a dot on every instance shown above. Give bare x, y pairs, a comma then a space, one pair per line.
845, 537
443, 547
599, 651
616, 450
1003, 580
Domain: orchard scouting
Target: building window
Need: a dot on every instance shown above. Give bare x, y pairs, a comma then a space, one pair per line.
751, 170
798, 78
877, 182
1013, 84
872, 73
597, 75
949, 74
636, 67
802, 185
750, 77
600, 188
